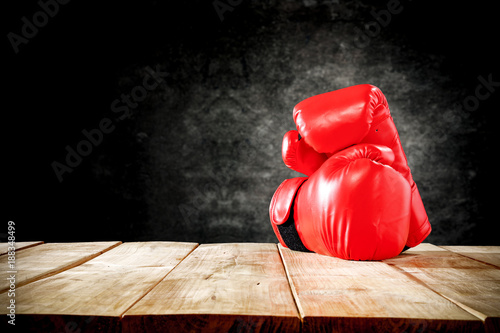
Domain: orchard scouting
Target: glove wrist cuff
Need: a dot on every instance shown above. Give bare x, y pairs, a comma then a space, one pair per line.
289, 234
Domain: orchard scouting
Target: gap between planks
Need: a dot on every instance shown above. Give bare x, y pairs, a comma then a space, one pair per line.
68, 295
296, 300
473, 312
293, 290
59, 269
19, 246
220, 285
443, 249
313, 316
490, 256
157, 283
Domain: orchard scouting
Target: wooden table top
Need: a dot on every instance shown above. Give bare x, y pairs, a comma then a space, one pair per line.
245, 287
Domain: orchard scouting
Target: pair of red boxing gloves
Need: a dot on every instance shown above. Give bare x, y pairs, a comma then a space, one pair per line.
359, 201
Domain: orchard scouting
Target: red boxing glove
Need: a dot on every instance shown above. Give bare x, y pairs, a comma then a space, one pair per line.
355, 206
335, 120
299, 156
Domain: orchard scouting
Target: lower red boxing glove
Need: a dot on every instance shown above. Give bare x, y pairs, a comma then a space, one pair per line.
355, 206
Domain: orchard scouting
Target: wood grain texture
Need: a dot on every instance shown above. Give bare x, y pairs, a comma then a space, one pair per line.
220, 288
487, 254
250, 287
18, 245
473, 285
97, 293
350, 296
44, 260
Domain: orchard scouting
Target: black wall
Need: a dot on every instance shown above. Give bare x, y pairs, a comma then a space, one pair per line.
197, 155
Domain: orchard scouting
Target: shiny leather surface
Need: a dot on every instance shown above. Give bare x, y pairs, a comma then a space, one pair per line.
335, 120
299, 156
355, 206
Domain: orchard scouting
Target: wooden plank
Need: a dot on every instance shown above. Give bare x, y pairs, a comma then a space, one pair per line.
487, 254
44, 260
473, 285
220, 288
18, 245
94, 295
352, 296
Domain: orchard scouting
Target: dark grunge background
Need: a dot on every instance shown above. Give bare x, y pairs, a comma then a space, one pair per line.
196, 155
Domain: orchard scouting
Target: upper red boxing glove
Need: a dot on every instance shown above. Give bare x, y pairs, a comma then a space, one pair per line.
299, 156
335, 120
355, 206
